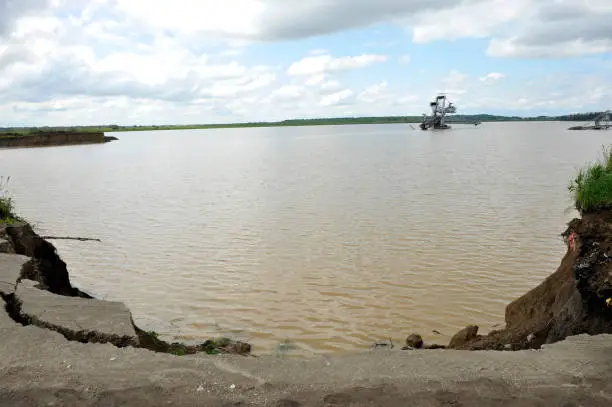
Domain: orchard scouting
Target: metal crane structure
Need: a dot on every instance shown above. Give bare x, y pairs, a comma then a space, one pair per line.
602, 122
439, 110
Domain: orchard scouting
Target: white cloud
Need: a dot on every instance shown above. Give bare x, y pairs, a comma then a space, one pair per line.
193, 16
514, 47
315, 79
63, 61
472, 19
270, 19
520, 27
45, 61
374, 92
558, 29
288, 92
326, 63
329, 86
239, 86
12, 11
492, 77
232, 52
337, 98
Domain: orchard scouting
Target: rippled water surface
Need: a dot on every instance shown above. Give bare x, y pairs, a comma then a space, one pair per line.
329, 237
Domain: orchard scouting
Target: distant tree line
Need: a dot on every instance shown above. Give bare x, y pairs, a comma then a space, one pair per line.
580, 117
298, 122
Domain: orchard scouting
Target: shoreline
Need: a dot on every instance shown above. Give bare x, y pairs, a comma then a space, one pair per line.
36, 290
528, 318
350, 121
89, 352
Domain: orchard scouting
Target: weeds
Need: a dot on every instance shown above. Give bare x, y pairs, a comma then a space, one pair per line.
7, 209
592, 188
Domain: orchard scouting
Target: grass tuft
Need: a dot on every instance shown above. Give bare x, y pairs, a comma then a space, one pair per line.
592, 188
7, 208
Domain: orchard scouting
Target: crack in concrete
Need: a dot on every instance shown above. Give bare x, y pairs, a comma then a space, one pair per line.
46, 268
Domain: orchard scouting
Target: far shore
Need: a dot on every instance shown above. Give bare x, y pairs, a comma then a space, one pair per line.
334, 121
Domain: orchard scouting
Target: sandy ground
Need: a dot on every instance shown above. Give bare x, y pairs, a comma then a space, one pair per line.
39, 367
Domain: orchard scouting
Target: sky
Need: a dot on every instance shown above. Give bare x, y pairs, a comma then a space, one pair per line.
87, 62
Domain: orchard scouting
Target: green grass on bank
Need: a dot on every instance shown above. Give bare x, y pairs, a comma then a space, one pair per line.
592, 188
7, 208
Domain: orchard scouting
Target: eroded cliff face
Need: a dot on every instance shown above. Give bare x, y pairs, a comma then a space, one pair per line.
53, 139
571, 301
45, 266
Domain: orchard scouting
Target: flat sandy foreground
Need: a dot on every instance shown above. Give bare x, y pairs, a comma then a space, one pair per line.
39, 367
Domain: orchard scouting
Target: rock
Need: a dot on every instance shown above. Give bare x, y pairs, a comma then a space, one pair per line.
5, 246
78, 319
237, 348
11, 266
461, 338
414, 341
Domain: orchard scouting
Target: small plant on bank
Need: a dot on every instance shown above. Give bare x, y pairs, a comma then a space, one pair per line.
592, 188
7, 210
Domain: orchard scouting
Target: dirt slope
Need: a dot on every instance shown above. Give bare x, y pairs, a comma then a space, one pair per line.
570, 301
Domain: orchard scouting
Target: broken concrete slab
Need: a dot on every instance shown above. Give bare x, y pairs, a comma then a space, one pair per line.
78, 319
38, 367
6, 322
10, 271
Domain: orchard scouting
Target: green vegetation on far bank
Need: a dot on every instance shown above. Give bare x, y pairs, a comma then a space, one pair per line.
592, 187
22, 131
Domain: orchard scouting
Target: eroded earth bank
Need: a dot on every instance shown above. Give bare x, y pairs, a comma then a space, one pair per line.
60, 347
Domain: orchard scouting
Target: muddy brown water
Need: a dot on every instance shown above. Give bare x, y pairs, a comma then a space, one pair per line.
330, 238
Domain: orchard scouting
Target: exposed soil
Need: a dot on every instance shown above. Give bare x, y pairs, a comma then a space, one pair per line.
46, 267
571, 301
52, 138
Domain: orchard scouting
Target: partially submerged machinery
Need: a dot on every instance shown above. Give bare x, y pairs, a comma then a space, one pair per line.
601, 122
439, 110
